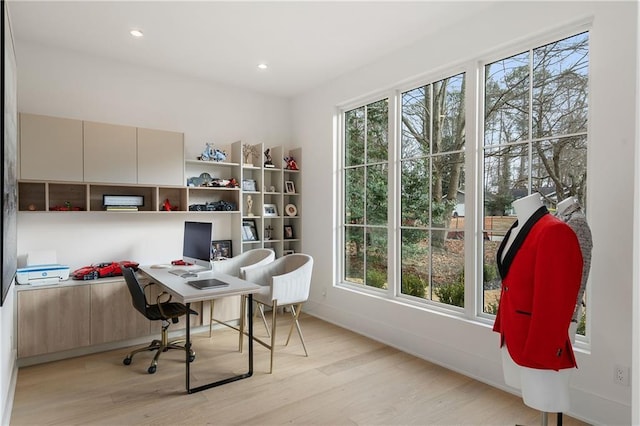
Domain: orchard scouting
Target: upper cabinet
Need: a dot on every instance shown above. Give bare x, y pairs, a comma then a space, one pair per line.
66, 150
110, 153
50, 148
160, 157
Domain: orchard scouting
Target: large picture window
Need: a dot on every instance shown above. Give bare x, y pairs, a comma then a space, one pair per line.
532, 136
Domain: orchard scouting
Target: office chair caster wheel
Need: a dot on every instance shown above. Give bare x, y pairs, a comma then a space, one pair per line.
192, 357
151, 369
127, 361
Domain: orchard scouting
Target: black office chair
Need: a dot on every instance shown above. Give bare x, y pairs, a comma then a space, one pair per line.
163, 311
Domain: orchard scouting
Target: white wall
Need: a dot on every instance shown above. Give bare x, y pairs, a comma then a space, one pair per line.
458, 343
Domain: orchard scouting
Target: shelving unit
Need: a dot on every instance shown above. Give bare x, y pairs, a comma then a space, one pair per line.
277, 186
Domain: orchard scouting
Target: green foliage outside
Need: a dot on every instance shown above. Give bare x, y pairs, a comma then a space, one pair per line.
377, 279
452, 294
413, 285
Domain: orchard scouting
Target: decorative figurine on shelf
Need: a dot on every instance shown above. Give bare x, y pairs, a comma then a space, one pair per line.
207, 154
268, 163
248, 152
291, 163
219, 155
249, 205
267, 232
212, 154
167, 207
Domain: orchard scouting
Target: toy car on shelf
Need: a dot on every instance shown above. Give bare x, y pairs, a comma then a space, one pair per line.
223, 183
215, 206
102, 270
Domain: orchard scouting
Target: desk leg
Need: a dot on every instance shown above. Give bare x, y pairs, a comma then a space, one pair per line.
187, 345
248, 374
250, 302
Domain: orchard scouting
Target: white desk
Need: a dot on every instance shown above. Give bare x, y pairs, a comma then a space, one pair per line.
185, 293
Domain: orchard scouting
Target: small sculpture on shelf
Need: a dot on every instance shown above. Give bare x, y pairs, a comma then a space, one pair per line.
249, 205
291, 163
267, 232
212, 154
167, 207
248, 152
268, 162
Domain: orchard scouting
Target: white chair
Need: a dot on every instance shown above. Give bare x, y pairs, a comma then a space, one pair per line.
236, 266
285, 282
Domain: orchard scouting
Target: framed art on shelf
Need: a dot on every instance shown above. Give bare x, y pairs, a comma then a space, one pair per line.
249, 230
269, 210
291, 209
249, 185
290, 187
221, 249
288, 232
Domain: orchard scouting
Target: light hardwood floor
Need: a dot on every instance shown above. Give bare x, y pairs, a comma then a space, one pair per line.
346, 380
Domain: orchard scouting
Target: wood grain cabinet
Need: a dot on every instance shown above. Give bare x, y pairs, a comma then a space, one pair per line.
50, 148
113, 317
53, 319
68, 317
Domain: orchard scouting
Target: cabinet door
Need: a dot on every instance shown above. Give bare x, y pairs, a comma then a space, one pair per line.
50, 148
113, 316
109, 153
160, 157
53, 319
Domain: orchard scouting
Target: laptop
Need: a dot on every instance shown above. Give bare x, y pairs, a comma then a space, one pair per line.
208, 283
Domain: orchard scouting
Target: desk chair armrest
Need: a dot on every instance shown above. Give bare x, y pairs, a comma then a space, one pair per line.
160, 302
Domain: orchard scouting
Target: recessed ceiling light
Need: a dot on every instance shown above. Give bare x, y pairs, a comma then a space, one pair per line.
136, 33
262, 66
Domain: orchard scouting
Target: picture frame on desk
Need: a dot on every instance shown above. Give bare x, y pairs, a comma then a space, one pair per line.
249, 230
221, 250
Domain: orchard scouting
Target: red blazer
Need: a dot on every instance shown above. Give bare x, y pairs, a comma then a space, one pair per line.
541, 274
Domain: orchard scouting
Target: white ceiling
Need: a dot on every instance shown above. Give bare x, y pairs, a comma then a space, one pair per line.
304, 43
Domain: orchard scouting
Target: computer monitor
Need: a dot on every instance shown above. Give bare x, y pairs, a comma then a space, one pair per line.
196, 246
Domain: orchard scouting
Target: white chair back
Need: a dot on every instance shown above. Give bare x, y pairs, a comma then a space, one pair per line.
236, 265
286, 280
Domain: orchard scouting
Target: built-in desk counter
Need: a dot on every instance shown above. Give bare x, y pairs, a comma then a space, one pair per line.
76, 317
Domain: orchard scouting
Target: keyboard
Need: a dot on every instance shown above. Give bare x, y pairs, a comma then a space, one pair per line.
183, 273
208, 283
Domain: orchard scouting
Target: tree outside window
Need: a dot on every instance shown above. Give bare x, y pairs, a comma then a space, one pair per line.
432, 189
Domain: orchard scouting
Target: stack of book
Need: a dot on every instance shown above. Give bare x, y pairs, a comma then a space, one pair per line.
122, 208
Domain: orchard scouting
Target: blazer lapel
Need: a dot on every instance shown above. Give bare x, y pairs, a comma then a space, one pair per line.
505, 264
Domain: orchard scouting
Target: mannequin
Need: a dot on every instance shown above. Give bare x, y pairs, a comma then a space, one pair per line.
570, 211
541, 266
